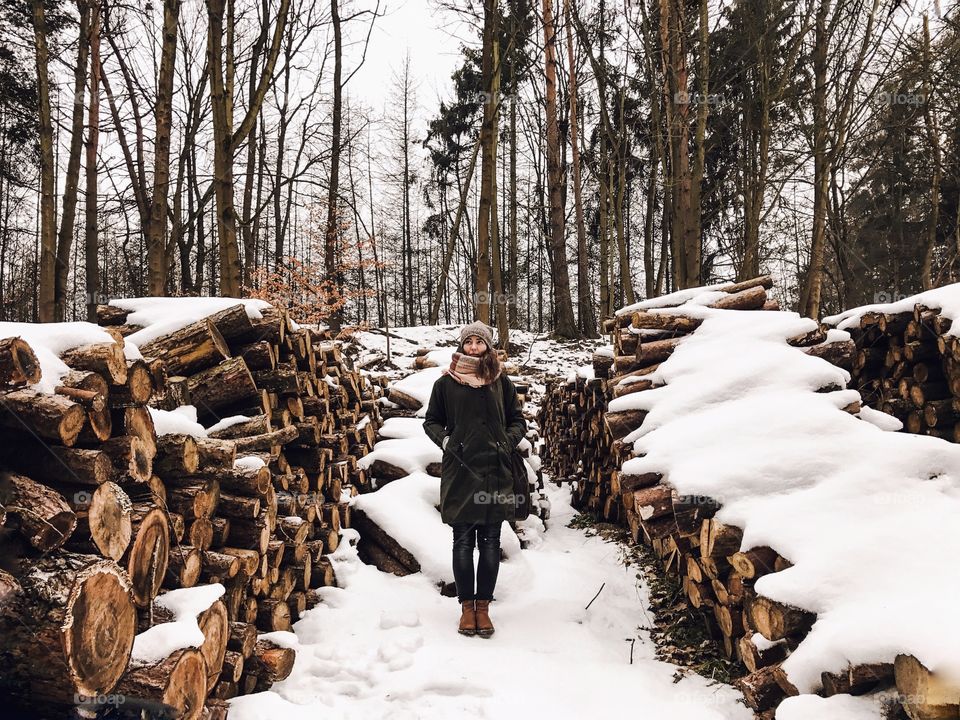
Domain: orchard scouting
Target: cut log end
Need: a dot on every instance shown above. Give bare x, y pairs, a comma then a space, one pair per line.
99, 628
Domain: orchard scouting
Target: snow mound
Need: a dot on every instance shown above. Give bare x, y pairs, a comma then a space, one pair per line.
159, 641
179, 421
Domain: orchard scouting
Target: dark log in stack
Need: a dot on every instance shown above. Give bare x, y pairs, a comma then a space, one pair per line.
907, 365
84, 471
377, 547
585, 447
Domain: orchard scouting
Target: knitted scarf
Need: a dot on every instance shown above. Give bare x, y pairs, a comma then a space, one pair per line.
463, 369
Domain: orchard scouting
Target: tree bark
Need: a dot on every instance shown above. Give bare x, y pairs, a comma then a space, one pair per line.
91, 235
586, 318
332, 270
72, 179
47, 209
564, 325
155, 231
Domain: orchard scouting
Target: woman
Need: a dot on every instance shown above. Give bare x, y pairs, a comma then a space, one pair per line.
474, 414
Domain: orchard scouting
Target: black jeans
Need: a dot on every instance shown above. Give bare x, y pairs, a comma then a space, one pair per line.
465, 538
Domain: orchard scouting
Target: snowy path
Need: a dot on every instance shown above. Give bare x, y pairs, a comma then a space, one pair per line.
385, 646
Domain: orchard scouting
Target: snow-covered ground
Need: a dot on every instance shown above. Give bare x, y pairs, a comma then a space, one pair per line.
381, 646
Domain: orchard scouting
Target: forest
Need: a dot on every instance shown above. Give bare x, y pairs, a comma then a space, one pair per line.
583, 156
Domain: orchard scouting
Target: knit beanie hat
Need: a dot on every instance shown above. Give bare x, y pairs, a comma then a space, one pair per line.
479, 329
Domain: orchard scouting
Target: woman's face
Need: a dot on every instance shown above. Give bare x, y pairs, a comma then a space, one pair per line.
474, 345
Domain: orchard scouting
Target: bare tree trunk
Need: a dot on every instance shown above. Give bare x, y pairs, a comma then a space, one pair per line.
933, 137
696, 175
563, 306
586, 320
91, 243
488, 159
226, 138
454, 234
333, 272
48, 221
826, 154
620, 169
247, 220
408, 292
503, 328
72, 179
686, 248
513, 250
157, 257
222, 155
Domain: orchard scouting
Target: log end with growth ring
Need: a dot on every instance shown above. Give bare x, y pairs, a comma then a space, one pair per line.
98, 628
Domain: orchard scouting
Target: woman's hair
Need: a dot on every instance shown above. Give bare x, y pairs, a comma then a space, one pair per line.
487, 363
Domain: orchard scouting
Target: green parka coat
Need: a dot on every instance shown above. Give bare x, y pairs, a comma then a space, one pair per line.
485, 424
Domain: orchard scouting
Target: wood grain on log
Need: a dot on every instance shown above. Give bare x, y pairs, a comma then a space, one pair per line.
221, 386
179, 681
925, 695
50, 416
146, 559
105, 359
186, 351
69, 631
776, 621
42, 516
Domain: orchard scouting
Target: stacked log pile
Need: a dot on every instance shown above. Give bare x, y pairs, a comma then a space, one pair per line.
586, 446
586, 443
907, 365
123, 513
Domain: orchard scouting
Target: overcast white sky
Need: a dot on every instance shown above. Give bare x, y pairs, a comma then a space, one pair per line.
433, 37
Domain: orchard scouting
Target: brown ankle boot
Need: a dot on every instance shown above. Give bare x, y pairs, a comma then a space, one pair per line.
484, 626
468, 618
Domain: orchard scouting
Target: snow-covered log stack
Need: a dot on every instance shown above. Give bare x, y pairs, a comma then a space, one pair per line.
104, 456
642, 340
907, 364
732, 464
585, 439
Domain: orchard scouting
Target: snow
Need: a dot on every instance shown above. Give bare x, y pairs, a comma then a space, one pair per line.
249, 463
50, 340
158, 316
413, 454
693, 296
419, 386
227, 422
860, 511
179, 421
581, 371
442, 357
880, 419
839, 707
387, 646
159, 641
946, 299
